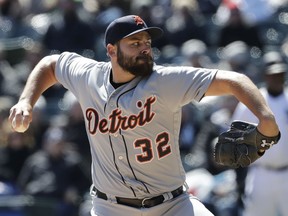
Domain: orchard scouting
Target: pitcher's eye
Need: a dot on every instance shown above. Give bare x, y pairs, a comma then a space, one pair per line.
148, 43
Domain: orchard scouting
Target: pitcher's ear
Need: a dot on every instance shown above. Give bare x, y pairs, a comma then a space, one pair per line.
111, 50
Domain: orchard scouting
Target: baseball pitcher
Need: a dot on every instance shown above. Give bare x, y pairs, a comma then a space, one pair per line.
132, 110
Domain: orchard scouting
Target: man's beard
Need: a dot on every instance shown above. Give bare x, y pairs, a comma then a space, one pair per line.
134, 66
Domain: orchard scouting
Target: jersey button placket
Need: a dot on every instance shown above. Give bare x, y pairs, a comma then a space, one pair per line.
115, 134
122, 163
111, 101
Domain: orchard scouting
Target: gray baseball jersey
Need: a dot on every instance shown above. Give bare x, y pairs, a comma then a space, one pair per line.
133, 130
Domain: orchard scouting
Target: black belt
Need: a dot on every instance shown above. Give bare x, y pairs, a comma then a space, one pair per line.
140, 203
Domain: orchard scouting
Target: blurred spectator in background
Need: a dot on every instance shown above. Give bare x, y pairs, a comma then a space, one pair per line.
257, 12
14, 147
53, 174
189, 127
235, 28
5, 103
13, 21
11, 80
272, 167
12, 85
195, 53
40, 122
208, 7
33, 52
271, 58
14, 75
236, 56
13, 29
34, 7
75, 130
13, 153
184, 23
253, 12
284, 47
68, 32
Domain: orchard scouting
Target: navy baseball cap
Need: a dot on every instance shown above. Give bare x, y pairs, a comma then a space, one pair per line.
128, 25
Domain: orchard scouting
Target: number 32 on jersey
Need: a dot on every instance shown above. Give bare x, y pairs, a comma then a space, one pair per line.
148, 151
